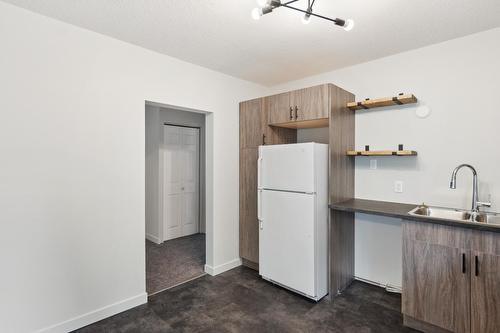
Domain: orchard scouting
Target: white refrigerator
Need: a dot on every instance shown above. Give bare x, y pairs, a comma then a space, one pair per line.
293, 217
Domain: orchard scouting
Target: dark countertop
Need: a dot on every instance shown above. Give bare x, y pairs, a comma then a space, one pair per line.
400, 210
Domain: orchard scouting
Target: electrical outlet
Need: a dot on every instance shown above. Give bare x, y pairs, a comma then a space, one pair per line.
373, 164
398, 186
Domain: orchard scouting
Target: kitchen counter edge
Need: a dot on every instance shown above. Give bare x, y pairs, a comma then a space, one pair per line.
400, 210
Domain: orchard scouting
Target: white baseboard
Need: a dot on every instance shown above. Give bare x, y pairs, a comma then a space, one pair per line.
96, 315
222, 268
153, 238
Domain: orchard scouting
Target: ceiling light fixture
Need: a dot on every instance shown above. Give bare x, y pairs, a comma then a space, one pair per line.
267, 6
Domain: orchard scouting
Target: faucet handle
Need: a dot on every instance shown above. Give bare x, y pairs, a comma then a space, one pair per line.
485, 204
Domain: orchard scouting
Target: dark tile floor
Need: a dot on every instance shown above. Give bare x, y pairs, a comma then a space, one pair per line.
174, 261
239, 301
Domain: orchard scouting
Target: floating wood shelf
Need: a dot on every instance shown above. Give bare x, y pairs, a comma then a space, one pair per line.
381, 153
381, 102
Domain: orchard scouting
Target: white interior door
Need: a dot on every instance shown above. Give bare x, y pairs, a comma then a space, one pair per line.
181, 182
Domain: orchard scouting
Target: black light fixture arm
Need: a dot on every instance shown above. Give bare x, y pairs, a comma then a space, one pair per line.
337, 21
273, 4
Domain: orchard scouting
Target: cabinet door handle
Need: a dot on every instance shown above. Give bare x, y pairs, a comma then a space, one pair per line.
263, 139
476, 260
463, 263
291, 113
296, 109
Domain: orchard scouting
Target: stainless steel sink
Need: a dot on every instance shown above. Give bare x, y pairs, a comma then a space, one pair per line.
488, 218
441, 213
456, 214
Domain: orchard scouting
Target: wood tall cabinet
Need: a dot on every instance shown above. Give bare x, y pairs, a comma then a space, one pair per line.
451, 279
275, 120
254, 132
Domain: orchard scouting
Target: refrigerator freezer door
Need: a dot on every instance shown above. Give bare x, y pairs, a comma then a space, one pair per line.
287, 167
286, 240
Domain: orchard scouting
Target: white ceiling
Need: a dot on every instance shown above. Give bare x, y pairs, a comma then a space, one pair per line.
220, 34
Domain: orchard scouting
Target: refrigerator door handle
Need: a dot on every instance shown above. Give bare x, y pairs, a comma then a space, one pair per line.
259, 206
259, 172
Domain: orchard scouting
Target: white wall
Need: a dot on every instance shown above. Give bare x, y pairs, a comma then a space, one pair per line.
156, 117
72, 143
319, 135
458, 80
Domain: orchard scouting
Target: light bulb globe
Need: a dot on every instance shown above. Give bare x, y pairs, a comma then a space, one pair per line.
349, 25
256, 13
306, 19
262, 3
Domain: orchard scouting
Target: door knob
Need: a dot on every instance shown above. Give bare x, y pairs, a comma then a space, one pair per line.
291, 113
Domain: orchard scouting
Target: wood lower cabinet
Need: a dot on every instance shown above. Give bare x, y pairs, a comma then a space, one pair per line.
485, 317
485, 282
435, 289
451, 279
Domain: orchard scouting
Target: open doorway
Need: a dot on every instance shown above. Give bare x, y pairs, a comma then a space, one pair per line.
175, 197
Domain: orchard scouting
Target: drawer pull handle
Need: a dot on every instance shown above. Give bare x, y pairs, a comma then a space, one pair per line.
477, 265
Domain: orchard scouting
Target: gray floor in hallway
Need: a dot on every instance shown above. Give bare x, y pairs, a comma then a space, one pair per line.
174, 261
240, 301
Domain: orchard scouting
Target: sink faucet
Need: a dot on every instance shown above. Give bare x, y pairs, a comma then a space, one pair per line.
475, 201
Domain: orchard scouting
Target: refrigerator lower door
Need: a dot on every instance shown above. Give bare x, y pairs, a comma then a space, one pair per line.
287, 239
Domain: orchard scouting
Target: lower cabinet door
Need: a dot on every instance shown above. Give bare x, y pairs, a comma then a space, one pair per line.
436, 285
485, 293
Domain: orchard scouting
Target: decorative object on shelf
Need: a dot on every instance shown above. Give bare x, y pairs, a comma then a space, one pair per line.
381, 102
267, 6
423, 111
368, 152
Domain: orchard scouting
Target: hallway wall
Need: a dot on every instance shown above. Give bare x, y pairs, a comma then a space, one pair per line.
72, 138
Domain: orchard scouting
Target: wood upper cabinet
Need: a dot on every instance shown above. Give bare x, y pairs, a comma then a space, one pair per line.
310, 103
251, 118
279, 108
299, 105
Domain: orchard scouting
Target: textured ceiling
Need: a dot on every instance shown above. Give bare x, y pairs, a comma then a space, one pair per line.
220, 34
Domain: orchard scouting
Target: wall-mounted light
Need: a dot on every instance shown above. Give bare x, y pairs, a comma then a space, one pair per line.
267, 6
